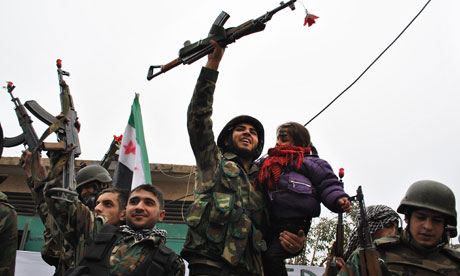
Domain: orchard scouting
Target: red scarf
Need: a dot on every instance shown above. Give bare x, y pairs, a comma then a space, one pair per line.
279, 157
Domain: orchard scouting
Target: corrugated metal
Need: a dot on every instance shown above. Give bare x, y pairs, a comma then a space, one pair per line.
23, 202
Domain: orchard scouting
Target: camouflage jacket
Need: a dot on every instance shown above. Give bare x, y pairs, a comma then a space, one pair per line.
8, 237
80, 226
56, 251
227, 214
401, 259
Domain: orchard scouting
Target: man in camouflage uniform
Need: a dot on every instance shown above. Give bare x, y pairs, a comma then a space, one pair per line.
137, 241
227, 216
57, 251
8, 236
429, 209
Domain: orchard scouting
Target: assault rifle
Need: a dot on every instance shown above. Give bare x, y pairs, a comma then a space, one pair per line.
111, 154
367, 251
66, 129
28, 136
70, 134
337, 250
193, 52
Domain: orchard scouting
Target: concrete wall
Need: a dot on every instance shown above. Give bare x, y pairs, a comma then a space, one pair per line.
174, 180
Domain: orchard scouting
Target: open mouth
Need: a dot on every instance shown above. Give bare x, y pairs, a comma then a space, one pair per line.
245, 141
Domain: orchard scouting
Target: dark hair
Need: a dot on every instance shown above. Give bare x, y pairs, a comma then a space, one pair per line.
122, 196
152, 189
298, 132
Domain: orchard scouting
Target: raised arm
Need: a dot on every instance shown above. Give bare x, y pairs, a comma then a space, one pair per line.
199, 113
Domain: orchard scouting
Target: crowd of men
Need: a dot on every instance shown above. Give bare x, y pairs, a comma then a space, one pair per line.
108, 231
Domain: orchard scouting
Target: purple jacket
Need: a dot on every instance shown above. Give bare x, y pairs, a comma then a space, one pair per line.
299, 192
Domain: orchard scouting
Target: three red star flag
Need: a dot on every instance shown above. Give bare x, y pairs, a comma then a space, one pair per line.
133, 164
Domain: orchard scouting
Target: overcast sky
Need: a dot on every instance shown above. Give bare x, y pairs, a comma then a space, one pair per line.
398, 124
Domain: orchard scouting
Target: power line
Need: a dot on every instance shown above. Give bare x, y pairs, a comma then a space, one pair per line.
368, 67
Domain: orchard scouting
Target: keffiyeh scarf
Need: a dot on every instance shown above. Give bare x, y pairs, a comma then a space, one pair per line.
378, 216
143, 234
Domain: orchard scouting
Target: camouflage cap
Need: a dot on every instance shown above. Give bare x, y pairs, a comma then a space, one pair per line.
432, 195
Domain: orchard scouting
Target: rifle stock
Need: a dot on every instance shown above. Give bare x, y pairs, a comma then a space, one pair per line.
193, 52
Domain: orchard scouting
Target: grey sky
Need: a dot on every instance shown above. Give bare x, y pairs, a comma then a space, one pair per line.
398, 124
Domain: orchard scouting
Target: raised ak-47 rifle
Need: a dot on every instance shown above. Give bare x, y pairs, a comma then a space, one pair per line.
28, 136
367, 251
67, 133
111, 154
337, 250
193, 52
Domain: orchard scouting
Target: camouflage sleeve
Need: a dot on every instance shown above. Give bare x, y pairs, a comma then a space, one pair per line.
199, 125
39, 199
74, 219
352, 266
8, 238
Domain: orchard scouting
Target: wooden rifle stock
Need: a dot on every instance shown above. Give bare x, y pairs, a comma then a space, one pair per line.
163, 68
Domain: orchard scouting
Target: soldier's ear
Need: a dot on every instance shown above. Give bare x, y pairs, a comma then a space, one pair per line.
161, 215
123, 215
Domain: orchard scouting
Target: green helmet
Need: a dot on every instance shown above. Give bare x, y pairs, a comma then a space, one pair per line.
92, 173
430, 195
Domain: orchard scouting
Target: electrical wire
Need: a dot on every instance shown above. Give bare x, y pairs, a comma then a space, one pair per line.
391, 44
177, 177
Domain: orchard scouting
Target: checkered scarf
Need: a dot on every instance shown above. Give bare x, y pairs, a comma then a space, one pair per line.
143, 234
378, 216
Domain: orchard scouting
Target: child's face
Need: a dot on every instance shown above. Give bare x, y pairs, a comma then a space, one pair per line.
284, 138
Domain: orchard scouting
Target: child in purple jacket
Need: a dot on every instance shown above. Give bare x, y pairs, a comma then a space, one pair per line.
296, 182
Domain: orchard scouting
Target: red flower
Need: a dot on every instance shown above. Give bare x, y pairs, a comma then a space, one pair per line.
118, 139
10, 84
341, 172
59, 63
310, 19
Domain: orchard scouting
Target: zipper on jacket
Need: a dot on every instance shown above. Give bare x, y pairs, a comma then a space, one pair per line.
293, 182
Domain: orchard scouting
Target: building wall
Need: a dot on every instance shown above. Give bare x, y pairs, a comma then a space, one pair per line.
175, 181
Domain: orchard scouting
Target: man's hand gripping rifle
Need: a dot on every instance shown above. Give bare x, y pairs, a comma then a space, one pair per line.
193, 52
